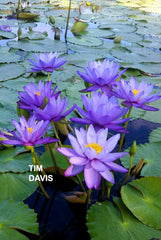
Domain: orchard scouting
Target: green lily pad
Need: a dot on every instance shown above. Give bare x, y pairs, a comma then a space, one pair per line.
16, 215
17, 84
155, 135
16, 186
150, 152
9, 57
154, 116
118, 28
143, 199
8, 98
109, 221
5, 34
14, 162
10, 71
6, 116
45, 45
86, 41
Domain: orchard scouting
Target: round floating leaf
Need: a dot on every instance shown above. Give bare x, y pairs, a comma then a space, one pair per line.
45, 45
10, 71
86, 41
5, 34
118, 28
154, 116
6, 116
151, 153
8, 98
9, 57
15, 161
108, 221
17, 84
155, 135
16, 215
143, 198
16, 186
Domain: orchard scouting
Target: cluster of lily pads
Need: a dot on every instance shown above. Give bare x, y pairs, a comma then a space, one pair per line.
91, 149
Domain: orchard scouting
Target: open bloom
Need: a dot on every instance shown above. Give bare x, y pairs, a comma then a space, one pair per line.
101, 75
29, 133
34, 95
5, 28
91, 153
135, 94
47, 62
102, 112
54, 109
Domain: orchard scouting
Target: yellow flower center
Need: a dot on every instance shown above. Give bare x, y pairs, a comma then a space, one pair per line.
30, 130
38, 94
135, 92
98, 148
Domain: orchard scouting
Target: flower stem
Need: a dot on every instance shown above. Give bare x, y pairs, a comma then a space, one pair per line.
66, 30
123, 135
35, 160
54, 161
56, 134
88, 198
48, 76
103, 190
131, 159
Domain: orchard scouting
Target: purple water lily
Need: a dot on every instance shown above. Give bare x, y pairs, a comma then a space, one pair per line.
34, 96
101, 75
102, 112
91, 153
30, 132
55, 109
47, 62
5, 28
136, 94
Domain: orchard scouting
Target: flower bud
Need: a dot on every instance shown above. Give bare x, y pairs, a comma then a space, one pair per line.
52, 20
117, 39
19, 32
133, 149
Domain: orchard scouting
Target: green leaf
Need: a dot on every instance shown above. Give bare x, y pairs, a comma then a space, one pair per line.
5, 34
143, 199
15, 161
154, 116
151, 153
45, 45
16, 215
16, 186
155, 135
108, 221
10, 71
86, 41
79, 27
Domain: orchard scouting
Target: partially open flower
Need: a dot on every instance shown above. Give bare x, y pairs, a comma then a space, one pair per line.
136, 94
54, 110
5, 28
102, 112
30, 132
47, 62
102, 75
91, 153
34, 96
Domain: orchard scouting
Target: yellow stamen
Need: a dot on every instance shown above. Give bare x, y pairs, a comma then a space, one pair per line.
135, 92
98, 148
38, 94
30, 130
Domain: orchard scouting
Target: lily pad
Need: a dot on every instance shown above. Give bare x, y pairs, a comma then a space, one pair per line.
9, 57
86, 41
118, 28
109, 221
154, 116
16, 215
10, 71
143, 199
5, 34
45, 45
6, 116
155, 135
150, 152
16, 186
15, 161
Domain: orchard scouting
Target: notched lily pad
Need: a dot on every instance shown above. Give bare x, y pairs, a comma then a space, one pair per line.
10, 71
109, 221
16, 215
143, 198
